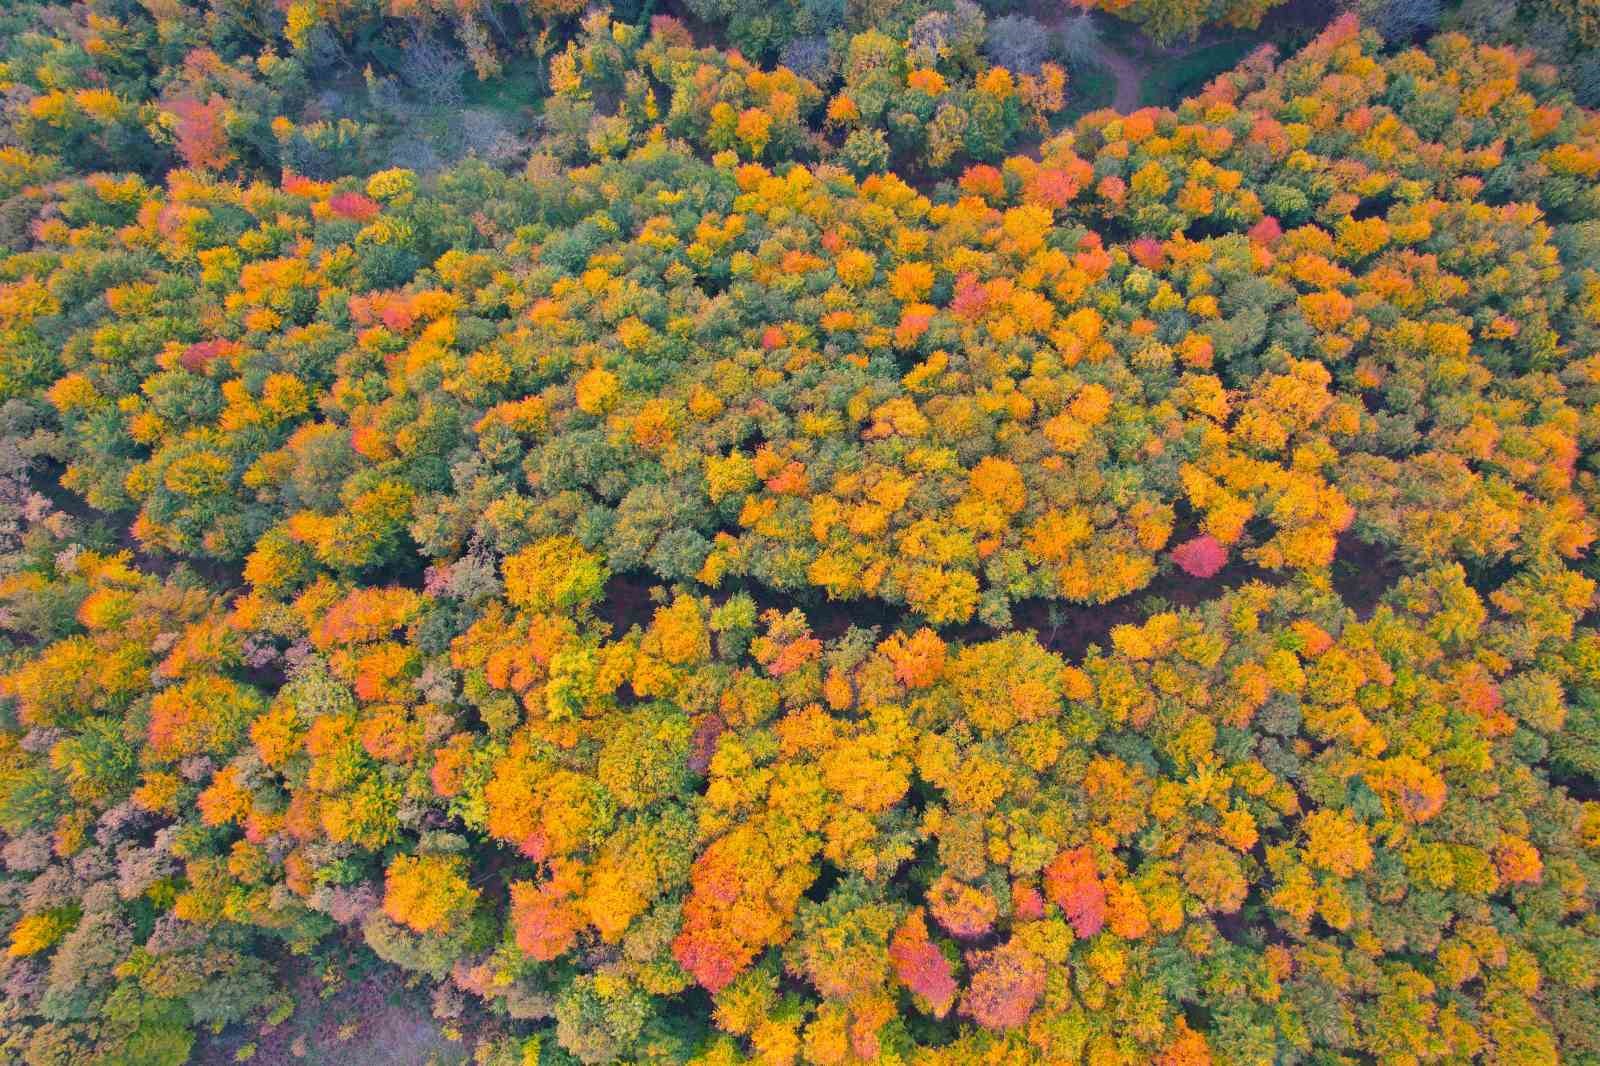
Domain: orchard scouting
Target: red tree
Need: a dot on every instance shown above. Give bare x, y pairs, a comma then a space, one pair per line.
202, 141
1006, 985
1202, 556
1073, 883
921, 966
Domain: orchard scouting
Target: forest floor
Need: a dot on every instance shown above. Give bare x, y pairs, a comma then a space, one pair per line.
1129, 77
1127, 70
1361, 574
352, 1013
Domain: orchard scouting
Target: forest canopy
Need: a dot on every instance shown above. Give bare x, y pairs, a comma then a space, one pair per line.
796, 564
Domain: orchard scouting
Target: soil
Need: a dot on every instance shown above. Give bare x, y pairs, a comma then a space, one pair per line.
1126, 70
372, 1019
1068, 629
1290, 24
221, 575
627, 603
1129, 76
1362, 573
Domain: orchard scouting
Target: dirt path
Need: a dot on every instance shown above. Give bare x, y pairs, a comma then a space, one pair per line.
1125, 70
1129, 78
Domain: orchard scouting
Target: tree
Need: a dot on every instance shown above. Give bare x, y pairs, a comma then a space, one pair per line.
1006, 985
429, 893
922, 967
1073, 884
201, 139
1201, 556
741, 901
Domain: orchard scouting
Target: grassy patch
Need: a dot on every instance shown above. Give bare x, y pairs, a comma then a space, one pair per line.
1088, 89
1120, 35
1169, 80
521, 84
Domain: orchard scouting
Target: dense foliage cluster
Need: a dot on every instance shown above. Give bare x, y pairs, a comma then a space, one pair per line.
326, 603
924, 107
139, 95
